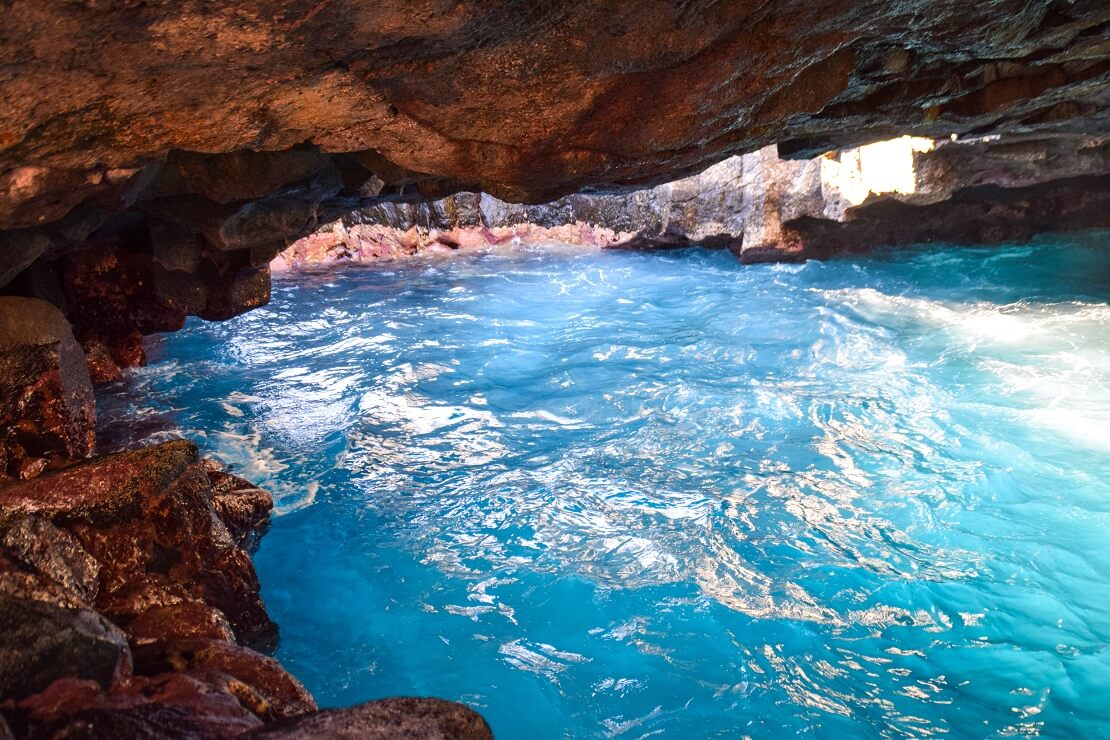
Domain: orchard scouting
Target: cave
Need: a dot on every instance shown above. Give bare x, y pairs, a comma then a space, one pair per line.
457, 370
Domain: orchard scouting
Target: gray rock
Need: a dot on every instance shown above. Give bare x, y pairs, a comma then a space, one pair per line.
41, 642
18, 249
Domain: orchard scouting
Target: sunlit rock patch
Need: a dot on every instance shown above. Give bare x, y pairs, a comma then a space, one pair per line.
763, 207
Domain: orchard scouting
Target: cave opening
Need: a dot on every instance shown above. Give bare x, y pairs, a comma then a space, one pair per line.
586, 369
640, 490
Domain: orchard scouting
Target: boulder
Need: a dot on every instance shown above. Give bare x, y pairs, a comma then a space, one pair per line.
244, 508
388, 719
102, 366
52, 553
185, 619
147, 517
172, 705
18, 250
42, 642
261, 684
47, 411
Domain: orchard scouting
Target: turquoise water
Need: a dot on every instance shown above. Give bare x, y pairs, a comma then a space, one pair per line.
667, 495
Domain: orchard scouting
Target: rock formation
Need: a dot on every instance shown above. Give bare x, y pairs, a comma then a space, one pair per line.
155, 157
47, 411
765, 208
127, 602
522, 100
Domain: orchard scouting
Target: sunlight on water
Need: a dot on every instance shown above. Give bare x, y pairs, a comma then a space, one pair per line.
629, 495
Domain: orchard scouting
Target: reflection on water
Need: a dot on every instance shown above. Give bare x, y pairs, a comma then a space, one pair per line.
626, 495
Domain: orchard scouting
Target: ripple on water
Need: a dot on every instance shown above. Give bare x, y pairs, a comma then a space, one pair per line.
614, 494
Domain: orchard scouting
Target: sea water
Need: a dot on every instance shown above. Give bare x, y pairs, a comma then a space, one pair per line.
607, 494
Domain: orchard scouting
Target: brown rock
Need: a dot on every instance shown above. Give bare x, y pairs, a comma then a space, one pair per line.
18, 250
237, 293
54, 554
180, 620
46, 401
237, 176
261, 684
147, 517
388, 719
525, 101
244, 508
102, 367
113, 296
165, 706
42, 642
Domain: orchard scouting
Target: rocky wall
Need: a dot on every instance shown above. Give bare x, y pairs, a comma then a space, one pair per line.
130, 608
765, 208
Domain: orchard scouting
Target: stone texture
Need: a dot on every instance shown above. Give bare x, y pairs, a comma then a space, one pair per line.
765, 208
102, 366
982, 215
244, 508
170, 705
47, 413
260, 683
147, 517
54, 554
123, 598
526, 101
18, 250
180, 620
388, 719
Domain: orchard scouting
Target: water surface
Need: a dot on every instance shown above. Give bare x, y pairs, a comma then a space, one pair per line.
631, 495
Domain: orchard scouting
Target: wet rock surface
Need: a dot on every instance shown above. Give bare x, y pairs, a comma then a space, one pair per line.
43, 642
401, 717
127, 603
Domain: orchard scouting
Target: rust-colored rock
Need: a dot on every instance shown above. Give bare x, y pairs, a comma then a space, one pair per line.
243, 507
260, 683
47, 412
147, 516
521, 100
170, 705
181, 620
102, 366
136, 541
